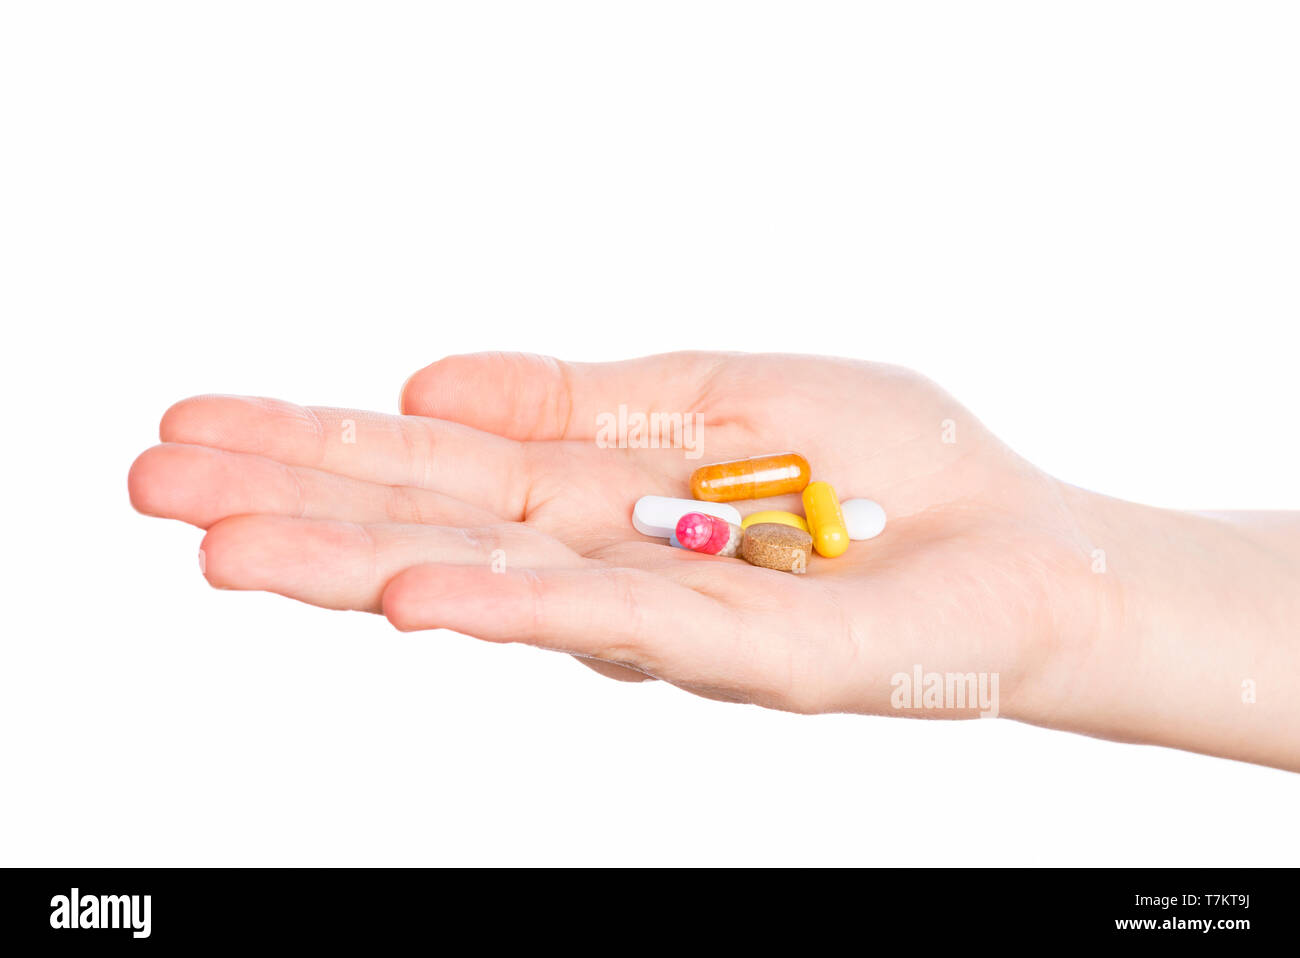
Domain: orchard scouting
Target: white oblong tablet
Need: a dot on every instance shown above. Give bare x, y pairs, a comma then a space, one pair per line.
863, 518
657, 515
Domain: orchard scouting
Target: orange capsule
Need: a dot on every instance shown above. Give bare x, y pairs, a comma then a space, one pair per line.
751, 478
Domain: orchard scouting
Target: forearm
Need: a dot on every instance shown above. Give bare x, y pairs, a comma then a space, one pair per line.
1199, 639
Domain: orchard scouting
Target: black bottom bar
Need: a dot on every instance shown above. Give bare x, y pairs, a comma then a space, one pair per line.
807, 910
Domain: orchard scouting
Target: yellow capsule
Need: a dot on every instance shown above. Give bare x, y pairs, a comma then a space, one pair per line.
825, 519
775, 515
755, 478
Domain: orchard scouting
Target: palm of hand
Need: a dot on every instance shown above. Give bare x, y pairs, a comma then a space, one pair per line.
496, 513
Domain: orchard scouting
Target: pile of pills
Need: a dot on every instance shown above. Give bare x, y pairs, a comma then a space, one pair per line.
772, 539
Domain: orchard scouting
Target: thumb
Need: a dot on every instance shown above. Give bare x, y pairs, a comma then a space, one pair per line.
526, 396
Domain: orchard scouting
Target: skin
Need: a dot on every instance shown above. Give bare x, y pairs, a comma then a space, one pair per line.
987, 565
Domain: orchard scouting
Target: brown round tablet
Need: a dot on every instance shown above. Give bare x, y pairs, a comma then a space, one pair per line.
776, 546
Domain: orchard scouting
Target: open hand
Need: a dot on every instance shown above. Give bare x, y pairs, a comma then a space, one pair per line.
491, 509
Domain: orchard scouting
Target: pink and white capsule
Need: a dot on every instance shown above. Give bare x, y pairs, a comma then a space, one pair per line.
709, 534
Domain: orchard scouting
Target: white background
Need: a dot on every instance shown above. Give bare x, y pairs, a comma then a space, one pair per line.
1081, 218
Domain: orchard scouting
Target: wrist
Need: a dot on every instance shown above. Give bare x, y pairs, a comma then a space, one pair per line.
1194, 622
